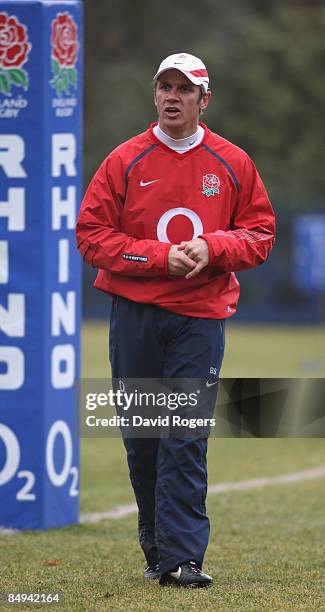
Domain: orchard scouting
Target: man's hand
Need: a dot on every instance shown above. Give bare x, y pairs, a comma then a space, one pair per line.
198, 251
179, 264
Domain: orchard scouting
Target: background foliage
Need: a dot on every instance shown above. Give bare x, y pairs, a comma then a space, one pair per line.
265, 62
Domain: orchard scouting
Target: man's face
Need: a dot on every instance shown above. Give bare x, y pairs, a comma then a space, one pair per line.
178, 104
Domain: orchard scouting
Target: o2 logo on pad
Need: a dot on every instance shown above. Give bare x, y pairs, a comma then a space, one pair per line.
14, 51
68, 473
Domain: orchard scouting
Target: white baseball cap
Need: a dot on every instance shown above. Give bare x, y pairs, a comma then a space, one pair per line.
191, 66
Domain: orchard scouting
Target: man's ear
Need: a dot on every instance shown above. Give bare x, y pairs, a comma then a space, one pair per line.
154, 94
204, 103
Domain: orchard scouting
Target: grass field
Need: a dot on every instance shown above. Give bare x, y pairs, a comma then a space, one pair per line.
251, 351
267, 547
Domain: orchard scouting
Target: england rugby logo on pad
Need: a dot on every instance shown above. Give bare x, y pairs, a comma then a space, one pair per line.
65, 47
14, 51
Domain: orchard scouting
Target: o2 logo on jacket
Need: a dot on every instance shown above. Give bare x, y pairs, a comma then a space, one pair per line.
174, 212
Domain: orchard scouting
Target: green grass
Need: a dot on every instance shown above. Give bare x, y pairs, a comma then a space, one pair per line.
105, 481
267, 547
251, 351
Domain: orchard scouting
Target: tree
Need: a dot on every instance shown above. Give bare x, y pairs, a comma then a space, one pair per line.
270, 97
265, 68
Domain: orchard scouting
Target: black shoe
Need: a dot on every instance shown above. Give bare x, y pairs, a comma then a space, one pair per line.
187, 575
152, 572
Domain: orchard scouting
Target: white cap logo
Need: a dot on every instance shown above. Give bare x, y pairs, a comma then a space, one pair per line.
192, 67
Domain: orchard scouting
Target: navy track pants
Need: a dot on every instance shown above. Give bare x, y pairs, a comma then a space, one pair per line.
168, 475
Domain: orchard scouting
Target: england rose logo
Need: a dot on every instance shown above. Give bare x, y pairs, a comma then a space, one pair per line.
14, 51
210, 184
65, 47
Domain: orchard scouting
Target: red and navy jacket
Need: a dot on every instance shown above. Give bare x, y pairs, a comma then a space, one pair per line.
145, 197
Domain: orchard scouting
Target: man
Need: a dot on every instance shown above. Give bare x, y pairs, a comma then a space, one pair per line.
168, 219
